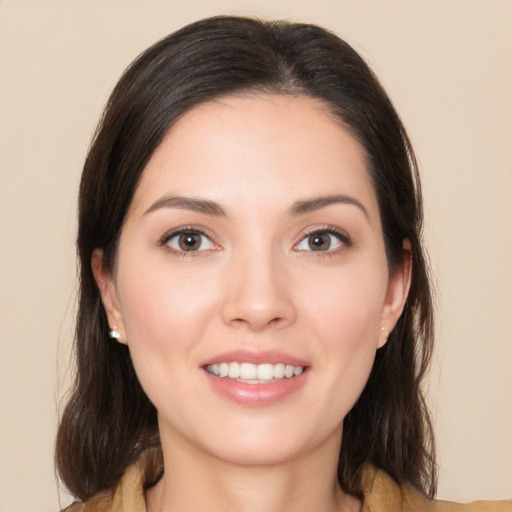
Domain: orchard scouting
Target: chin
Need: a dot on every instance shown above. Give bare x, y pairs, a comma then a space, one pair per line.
262, 454
267, 444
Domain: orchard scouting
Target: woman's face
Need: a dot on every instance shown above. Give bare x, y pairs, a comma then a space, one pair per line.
253, 247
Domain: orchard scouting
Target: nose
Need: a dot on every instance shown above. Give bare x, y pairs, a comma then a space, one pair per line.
258, 293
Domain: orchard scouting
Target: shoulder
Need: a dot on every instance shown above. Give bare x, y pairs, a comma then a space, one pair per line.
383, 494
99, 503
128, 495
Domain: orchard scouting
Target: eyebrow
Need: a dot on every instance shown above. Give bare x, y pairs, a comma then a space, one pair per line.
316, 203
188, 203
212, 208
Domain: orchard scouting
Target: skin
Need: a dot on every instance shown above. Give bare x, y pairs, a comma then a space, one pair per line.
257, 284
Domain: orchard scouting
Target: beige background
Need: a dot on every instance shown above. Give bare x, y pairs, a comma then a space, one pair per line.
448, 67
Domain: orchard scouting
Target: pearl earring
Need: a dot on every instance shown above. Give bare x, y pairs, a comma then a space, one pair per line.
114, 334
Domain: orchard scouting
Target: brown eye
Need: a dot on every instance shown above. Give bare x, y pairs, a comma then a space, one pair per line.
189, 241
319, 241
323, 240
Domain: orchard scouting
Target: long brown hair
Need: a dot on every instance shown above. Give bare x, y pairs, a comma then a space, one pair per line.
108, 420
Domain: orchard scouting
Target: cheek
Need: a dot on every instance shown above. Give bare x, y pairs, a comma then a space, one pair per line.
348, 305
165, 313
161, 296
346, 320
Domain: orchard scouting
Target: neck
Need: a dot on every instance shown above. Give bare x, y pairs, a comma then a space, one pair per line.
196, 481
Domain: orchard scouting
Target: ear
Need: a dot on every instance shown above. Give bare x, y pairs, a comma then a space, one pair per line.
397, 292
106, 285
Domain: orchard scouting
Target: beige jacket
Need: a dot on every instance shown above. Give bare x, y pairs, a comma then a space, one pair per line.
381, 494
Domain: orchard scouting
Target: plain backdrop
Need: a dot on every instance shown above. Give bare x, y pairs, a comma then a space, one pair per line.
447, 66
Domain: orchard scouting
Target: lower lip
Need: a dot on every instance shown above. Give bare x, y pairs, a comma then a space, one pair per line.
256, 394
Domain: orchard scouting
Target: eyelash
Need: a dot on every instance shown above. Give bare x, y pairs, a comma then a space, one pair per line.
341, 236
164, 241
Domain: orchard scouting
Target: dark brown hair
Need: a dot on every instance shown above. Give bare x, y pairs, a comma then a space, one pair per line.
108, 420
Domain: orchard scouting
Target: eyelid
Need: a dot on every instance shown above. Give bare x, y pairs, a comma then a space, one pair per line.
164, 240
340, 234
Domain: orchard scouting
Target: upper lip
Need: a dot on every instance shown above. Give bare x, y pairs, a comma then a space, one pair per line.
255, 357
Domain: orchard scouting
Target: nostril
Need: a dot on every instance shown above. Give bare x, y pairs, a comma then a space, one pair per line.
257, 305
276, 321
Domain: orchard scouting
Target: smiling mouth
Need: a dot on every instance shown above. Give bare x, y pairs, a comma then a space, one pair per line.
249, 373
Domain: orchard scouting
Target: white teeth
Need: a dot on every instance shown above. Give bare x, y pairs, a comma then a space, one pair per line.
279, 371
252, 373
223, 370
248, 371
288, 371
234, 371
265, 371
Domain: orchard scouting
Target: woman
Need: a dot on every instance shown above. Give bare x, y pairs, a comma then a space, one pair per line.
255, 314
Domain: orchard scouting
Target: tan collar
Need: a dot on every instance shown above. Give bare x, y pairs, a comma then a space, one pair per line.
381, 493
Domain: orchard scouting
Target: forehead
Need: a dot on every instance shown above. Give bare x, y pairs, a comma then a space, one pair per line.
250, 150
